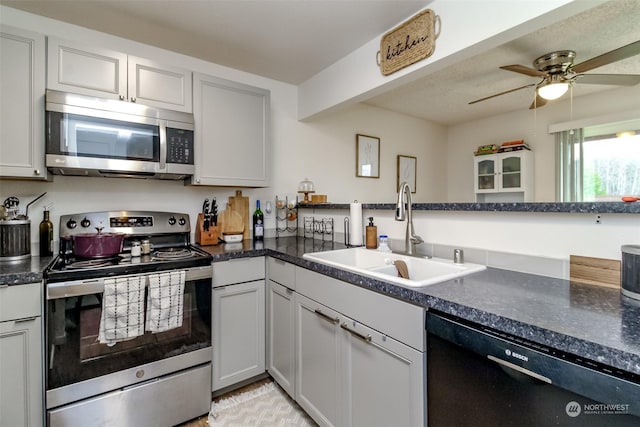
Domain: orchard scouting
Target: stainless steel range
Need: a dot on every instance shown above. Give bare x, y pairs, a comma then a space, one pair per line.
128, 335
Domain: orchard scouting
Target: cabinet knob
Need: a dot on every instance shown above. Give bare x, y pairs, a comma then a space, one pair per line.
121, 97
133, 99
36, 172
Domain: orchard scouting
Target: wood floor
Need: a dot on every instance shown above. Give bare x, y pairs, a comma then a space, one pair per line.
203, 420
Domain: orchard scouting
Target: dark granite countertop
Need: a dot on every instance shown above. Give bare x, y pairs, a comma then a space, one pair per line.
23, 272
538, 207
591, 322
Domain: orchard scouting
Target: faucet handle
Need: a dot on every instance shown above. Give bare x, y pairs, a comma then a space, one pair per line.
416, 239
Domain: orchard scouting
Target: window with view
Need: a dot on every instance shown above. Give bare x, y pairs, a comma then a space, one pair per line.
599, 163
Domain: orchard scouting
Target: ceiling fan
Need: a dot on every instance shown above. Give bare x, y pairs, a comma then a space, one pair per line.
558, 72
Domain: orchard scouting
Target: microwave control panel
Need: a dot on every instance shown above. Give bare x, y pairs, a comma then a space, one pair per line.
179, 146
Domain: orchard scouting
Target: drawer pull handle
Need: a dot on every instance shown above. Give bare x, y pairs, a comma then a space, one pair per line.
366, 338
26, 319
324, 316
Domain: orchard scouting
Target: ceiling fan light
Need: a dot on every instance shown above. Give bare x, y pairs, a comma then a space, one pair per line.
553, 90
626, 134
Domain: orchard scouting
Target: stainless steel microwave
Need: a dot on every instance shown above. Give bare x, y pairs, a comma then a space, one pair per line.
90, 136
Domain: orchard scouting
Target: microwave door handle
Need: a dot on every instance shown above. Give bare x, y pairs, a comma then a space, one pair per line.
65, 135
163, 144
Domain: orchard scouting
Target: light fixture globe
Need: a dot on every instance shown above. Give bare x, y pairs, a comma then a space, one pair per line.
553, 87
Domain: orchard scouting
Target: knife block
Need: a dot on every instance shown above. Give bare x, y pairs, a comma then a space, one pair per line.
204, 237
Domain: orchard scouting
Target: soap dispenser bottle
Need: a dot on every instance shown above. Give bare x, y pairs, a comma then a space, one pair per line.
371, 237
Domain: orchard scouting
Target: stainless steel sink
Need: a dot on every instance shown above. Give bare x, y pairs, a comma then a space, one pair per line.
379, 265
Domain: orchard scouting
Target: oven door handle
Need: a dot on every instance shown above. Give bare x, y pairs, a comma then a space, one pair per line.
76, 288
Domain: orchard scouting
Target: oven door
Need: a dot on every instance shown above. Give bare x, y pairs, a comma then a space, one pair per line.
79, 366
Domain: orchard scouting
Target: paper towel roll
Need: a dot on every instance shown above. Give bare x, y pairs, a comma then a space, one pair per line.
356, 230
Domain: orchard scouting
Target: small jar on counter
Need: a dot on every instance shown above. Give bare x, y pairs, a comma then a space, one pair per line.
146, 247
383, 243
135, 248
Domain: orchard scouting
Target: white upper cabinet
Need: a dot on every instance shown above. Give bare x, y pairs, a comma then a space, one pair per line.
232, 133
22, 77
160, 85
86, 70
504, 177
93, 71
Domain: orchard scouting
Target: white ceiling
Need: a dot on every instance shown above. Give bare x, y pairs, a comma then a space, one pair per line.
292, 40
589, 34
286, 40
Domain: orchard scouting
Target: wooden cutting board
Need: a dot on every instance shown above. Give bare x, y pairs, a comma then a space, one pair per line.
240, 205
231, 222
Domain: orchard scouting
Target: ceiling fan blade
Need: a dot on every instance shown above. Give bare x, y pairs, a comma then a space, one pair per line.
501, 93
524, 70
609, 57
609, 79
539, 102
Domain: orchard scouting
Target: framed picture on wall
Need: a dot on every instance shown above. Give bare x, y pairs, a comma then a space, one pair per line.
367, 156
407, 171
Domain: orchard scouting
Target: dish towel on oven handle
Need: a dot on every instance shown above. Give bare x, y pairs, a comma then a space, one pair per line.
165, 301
122, 316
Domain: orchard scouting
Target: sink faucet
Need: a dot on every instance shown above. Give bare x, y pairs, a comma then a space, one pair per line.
403, 212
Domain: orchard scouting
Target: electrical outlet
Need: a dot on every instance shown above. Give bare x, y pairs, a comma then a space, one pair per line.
598, 219
268, 210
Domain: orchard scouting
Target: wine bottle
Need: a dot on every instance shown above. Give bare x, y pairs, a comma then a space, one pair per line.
46, 235
258, 223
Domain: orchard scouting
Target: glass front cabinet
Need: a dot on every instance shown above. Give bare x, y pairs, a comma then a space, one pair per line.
504, 177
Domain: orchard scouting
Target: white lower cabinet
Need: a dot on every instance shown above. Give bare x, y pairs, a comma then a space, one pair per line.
360, 356
382, 379
318, 385
21, 356
238, 321
281, 351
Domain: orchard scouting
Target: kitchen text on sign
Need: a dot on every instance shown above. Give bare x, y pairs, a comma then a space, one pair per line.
408, 43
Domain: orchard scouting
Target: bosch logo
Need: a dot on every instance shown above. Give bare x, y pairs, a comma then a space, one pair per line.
516, 355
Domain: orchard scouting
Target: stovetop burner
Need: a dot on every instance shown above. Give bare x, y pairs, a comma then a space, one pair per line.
168, 233
172, 253
93, 263
160, 260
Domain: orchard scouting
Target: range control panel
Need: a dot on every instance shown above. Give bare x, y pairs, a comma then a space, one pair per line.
127, 222
131, 221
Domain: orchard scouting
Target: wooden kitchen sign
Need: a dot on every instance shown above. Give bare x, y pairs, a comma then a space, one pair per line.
408, 43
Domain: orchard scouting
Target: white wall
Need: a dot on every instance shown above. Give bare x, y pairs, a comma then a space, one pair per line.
323, 151
532, 126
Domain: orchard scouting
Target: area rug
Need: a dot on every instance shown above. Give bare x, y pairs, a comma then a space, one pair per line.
265, 406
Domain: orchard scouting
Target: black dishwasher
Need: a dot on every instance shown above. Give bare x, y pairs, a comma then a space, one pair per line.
481, 377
